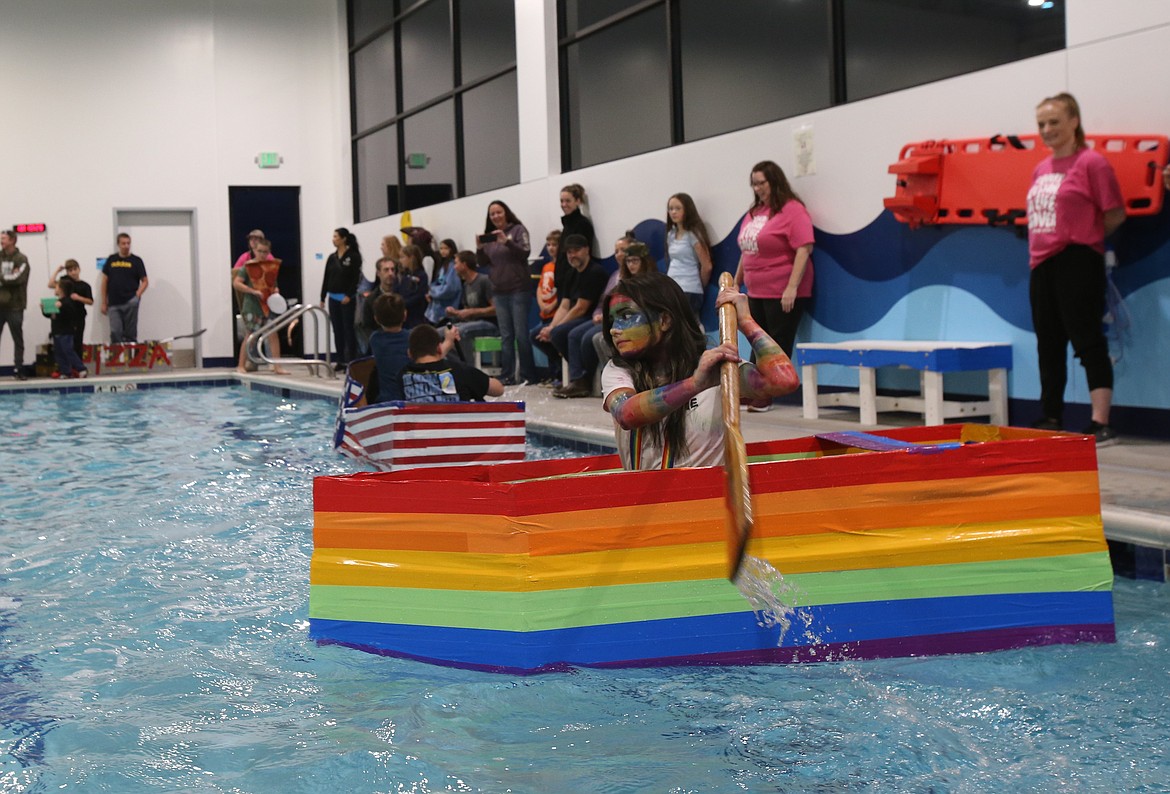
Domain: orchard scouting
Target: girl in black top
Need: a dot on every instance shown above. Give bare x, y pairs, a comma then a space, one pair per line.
343, 271
572, 222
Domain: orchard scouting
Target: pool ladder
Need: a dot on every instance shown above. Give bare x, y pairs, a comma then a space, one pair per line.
258, 352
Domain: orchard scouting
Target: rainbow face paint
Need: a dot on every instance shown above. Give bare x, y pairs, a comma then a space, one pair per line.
631, 329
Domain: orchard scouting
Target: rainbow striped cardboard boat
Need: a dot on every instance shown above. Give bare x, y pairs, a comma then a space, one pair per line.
917, 541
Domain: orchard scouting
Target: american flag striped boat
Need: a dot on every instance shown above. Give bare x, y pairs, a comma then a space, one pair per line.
398, 435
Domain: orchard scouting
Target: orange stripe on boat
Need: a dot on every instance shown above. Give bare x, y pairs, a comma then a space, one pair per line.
893, 548
966, 501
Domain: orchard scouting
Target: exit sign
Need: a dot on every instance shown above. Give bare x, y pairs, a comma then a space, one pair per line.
269, 159
30, 228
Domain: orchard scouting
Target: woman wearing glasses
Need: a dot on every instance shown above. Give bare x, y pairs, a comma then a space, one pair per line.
776, 242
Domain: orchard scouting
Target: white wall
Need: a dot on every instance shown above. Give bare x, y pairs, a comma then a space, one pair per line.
1114, 68
1094, 20
120, 103
1115, 64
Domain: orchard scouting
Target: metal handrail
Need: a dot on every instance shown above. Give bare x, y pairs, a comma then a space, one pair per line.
277, 324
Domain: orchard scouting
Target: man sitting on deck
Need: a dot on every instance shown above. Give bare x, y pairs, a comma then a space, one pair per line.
432, 377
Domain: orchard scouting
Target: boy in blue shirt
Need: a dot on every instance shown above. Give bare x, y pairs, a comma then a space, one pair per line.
388, 345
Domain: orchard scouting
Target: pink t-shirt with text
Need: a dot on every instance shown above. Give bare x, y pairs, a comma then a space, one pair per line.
768, 243
1067, 203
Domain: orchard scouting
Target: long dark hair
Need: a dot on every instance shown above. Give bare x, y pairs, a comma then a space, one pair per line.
782, 192
692, 222
682, 345
442, 263
510, 218
351, 241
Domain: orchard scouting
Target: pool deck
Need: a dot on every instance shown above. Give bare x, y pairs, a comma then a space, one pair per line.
1134, 474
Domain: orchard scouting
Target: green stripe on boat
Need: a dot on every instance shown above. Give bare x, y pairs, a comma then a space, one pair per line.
569, 608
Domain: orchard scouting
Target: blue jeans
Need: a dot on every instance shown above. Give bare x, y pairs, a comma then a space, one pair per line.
68, 361
124, 321
558, 345
590, 347
468, 331
512, 314
582, 357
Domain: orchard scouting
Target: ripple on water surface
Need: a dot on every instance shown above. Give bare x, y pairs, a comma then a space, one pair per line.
153, 636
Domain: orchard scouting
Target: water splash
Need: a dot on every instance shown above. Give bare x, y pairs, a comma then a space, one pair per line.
772, 598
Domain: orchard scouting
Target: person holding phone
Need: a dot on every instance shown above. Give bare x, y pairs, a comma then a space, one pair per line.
503, 248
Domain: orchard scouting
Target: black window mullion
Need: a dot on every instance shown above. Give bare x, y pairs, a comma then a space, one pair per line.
566, 132
674, 47
399, 136
838, 94
457, 81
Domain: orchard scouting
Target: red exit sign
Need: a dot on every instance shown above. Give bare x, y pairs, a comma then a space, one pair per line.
30, 228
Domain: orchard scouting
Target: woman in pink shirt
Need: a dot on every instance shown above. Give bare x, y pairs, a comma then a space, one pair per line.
776, 242
1073, 205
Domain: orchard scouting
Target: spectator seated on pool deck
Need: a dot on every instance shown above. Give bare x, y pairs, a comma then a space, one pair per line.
431, 376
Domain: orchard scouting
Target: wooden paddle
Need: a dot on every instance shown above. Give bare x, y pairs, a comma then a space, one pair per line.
739, 497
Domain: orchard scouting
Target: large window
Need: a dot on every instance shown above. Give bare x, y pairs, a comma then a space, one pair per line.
433, 101
892, 44
638, 75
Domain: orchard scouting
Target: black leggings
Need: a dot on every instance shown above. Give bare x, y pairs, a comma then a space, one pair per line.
1067, 292
777, 323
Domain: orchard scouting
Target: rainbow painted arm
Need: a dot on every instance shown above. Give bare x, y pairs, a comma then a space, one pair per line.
773, 374
637, 409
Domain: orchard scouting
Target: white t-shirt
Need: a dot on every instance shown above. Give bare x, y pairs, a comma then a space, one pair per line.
704, 430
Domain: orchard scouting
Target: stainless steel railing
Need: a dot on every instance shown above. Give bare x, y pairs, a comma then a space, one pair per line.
258, 353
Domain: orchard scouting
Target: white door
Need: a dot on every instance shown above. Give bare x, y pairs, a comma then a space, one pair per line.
165, 239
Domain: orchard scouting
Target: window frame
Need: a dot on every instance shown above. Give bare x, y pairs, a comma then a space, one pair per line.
837, 67
403, 11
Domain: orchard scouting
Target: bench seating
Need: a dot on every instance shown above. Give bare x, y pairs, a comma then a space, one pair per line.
931, 359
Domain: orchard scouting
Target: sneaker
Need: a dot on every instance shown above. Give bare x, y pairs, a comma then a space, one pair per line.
760, 409
83, 373
54, 376
20, 373
1103, 434
1047, 423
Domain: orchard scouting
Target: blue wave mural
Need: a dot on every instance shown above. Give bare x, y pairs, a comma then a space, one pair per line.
887, 280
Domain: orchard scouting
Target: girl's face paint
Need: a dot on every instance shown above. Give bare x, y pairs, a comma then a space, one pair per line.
633, 333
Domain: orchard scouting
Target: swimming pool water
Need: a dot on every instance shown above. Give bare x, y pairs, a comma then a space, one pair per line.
153, 637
